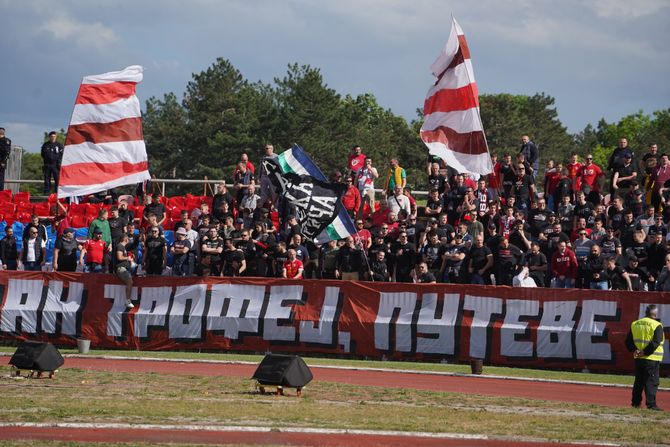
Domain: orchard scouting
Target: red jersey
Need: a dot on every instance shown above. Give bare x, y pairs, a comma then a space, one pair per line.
493, 178
564, 264
363, 237
351, 200
293, 269
573, 170
95, 251
356, 162
551, 180
589, 175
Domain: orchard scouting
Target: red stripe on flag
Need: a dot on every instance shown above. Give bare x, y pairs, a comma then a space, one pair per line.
105, 93
129, 129
94, 173
471, 143
450, 100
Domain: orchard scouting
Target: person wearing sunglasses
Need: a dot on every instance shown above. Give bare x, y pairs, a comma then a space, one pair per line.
33, 253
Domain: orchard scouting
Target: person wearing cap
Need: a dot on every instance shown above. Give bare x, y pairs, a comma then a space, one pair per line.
180, 250
93, 253
52, 155
9, 254
5, 152
65, 252
645, 340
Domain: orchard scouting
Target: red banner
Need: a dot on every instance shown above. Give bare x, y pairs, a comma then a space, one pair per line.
547, 328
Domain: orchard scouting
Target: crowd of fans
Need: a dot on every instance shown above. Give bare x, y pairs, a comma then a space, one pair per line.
559, 228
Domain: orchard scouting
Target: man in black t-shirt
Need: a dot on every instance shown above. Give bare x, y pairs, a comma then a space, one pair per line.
210, 253
155, 251
65, 252
405, 258
234, 262
538, 218
536, 262
152, 204
480, 260
506, 261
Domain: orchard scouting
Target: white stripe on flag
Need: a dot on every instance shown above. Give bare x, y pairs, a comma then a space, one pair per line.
78, 190
132, 73
447, 54
119, 151
462, 121
457, 77
474, 163
106, 113
295, 165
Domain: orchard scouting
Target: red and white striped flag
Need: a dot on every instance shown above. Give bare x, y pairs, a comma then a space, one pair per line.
104, 147
452, 128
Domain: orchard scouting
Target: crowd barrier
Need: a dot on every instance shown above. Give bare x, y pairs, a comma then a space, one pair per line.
541, 328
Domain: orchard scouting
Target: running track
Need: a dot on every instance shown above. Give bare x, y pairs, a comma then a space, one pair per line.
562, 392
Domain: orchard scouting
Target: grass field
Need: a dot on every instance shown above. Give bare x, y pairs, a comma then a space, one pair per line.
618, 379
104, 397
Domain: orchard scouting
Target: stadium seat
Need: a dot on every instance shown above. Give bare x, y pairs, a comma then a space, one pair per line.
25, 207
6, 195
42, 209
7, 209
79, 221
177, 201
23, 217
22, 197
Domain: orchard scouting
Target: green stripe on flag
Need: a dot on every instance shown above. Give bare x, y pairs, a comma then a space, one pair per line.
332, 233
283, 163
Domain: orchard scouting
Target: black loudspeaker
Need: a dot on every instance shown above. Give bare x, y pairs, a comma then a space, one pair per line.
283, 370
37, 356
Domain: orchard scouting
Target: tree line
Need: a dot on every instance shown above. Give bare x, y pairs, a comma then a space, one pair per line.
221, 114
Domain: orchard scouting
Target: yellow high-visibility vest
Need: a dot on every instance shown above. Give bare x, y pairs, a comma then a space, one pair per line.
643, 333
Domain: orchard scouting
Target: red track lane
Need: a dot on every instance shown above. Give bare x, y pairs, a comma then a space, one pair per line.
255, 438
562, 392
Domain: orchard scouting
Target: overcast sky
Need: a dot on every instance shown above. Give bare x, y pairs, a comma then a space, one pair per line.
598, 58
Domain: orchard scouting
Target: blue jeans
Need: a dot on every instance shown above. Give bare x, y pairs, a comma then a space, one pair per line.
475, 278
32, 266
567, 283
598, 285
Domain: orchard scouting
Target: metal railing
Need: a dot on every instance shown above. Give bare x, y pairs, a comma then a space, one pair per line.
162, 182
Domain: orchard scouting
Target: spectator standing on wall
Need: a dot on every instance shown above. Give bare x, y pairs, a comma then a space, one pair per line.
616, 160
355, 161
52, 155
531, 154
267, 189
396, 176
5, 151
365, 181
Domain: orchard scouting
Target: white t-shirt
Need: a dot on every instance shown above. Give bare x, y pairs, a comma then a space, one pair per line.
31, 256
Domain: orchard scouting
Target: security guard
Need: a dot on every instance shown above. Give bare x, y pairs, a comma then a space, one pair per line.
645, 340
52, 155
5, 151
